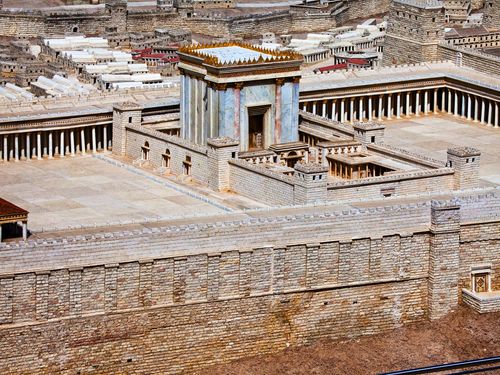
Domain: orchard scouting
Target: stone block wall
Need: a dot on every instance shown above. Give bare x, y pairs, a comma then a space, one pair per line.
471, 58
183, 306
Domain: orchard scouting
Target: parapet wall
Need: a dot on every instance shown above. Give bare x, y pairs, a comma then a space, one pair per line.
470, 58
169, 300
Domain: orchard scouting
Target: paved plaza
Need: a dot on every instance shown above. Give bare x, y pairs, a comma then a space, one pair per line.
85, 190
432, 136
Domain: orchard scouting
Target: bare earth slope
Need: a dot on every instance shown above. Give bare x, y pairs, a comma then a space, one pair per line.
459, 336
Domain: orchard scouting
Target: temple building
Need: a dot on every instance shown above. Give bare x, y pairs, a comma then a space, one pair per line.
239, 91
10, 218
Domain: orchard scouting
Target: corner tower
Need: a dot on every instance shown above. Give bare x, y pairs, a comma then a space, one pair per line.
414, 29
239, 91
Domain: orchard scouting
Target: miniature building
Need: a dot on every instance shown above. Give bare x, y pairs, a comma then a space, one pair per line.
414, 29
12, 214
239, 91
491, 14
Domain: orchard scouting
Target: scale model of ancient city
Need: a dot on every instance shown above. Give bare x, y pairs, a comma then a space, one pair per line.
237, 186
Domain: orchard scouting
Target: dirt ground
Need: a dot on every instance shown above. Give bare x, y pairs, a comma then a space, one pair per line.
462, 335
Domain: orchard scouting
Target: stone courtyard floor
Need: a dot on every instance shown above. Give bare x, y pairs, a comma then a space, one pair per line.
85, 190
433, 135
460, 336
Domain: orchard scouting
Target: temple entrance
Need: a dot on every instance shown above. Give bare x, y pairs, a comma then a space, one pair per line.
257, 118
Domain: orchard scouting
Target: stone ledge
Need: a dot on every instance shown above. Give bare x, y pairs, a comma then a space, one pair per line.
482, 302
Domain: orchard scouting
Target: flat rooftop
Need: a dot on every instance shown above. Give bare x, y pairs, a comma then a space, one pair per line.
433, 135
233, 53
87, 191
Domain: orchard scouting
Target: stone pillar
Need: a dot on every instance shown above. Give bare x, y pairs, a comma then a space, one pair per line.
449, 102
16, 147
476, 109
408, 104
72, 141
389, 106
5, 147
417, 104
483, 111
94, 140
398, 104
465, 162
124, 114
334, 110
435, 104
50, 150
105, 137
426, 102
61, 144
28, 146
380, 107
361, 109
314, 108
342, 110
455, 107
370, 109
444, 258
443, 101
310, 183
463, 107
82, 141
490, 112
496, 115
351, 110
323, 109
25, 230
39, 146
220, 151
469, 107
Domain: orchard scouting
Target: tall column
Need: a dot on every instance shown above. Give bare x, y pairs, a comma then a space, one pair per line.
323, 109
469, 107
380, 107
408, 104
449, 102
72, 141
334, 110
462, 114
476, 109
370, 109
25, 230
62, 150
342, 110
352, 110
5, 147
50, 146
82, 141
389, 106
490, 113
455, 109
94, 140
496, 115
314, 108
16, 147
426, 102
105, 137
434, 106
39, 146
483, 111
417, 103
443, 101
28, 146
398, 105
361, 109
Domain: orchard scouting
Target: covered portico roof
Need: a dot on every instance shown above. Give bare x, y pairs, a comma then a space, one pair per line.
10, 213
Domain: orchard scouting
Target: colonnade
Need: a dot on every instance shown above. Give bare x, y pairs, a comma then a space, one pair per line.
50, 143
410, 103
314, 57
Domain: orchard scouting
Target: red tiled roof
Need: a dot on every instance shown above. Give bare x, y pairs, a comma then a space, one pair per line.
9, 209
333, 67
356, 61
